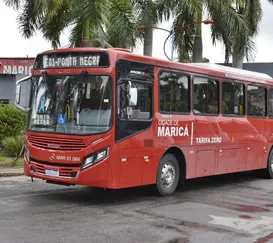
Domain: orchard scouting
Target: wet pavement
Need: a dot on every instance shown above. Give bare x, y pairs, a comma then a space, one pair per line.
230, 208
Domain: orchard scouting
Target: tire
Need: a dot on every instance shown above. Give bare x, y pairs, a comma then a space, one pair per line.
167, 175
268, 172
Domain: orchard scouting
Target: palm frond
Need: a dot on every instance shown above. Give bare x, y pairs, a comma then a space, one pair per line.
76, 33
121, 25
13, 3
30, 18
145, 11
253, 15
94, 10
184, 38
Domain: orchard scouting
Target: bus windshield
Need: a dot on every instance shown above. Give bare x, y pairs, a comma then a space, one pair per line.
79, 104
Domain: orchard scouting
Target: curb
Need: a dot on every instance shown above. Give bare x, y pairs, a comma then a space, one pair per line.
11, 174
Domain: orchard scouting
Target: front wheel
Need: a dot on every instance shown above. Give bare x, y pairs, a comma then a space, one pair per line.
167, 175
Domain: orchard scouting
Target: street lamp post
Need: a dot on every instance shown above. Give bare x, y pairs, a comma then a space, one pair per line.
173, 31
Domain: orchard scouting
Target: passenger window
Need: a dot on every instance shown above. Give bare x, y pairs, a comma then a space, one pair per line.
174, 92
270, 103
206, 96
256, 101
143, 109
233, 100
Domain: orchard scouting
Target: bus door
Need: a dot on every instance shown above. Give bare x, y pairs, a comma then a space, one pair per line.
257, 113
134, 133
232, 152
206, 110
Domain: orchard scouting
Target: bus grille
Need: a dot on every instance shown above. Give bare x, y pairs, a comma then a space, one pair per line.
64, 172
57, 143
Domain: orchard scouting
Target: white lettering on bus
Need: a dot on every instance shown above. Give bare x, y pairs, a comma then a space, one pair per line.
90, 61
70, 61
256, 80
172, 131
68, 158
171, 128
208, 140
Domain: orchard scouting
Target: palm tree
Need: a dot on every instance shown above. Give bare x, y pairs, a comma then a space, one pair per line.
189, 41
91, 22
146, 14
235, 24
102, 23
240, 45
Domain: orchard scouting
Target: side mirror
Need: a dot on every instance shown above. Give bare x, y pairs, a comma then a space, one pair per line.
23, 94
132, 95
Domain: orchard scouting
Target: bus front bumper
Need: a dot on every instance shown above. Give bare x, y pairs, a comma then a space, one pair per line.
98, 175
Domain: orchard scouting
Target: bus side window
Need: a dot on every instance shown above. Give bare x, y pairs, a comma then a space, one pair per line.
174, 92
233, 98
143, 109
206, 96
256, 101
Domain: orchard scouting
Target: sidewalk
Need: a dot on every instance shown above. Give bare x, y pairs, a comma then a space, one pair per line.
11, 171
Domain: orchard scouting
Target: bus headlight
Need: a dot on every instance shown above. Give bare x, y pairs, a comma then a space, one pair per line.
27, 155
95, 158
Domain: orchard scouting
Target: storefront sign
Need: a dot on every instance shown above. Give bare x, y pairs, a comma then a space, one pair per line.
16, 65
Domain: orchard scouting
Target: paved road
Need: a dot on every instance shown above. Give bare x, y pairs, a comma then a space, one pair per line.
231, 208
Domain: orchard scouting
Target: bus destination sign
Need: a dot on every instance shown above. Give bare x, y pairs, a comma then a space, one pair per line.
72, 60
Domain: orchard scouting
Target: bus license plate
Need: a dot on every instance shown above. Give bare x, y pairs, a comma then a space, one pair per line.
52, 172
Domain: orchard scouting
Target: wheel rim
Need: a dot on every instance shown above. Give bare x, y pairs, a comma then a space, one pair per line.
167, 175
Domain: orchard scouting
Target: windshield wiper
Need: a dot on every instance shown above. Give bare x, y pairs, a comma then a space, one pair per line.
83, 73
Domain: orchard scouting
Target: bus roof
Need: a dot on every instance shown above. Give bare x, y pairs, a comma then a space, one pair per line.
228, 72
227, 69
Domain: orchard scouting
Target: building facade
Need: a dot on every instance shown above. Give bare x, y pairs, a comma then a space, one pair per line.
11, 70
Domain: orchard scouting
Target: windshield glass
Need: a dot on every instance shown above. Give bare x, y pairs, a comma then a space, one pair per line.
78, 104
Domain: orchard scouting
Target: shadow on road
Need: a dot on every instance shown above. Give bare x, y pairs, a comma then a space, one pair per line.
96, 196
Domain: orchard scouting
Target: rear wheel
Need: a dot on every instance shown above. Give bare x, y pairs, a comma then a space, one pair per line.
268, 172
167, 175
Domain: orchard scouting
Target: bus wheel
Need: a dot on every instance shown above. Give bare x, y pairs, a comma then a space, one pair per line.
167, 175
268, 172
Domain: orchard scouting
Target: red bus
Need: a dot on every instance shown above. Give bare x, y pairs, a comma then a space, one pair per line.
113, 119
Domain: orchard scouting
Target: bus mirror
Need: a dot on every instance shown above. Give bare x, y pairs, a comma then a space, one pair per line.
22, 95
133, 96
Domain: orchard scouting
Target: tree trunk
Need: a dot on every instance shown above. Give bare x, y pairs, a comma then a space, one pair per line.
85, 42
197, 49
148, 39
237, 62
198, 45
148, 42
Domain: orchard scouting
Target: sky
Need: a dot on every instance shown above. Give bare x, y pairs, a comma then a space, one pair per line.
12, 44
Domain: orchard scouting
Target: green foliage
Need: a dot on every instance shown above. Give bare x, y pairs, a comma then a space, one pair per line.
204, 59
12, 146
12, 121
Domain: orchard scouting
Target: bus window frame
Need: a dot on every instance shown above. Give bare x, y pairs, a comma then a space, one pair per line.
245, 98
266, 100
219, 95
268, 90
190, 92
74, 134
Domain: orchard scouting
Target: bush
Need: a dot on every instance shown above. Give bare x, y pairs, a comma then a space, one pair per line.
12, 146
12, 121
